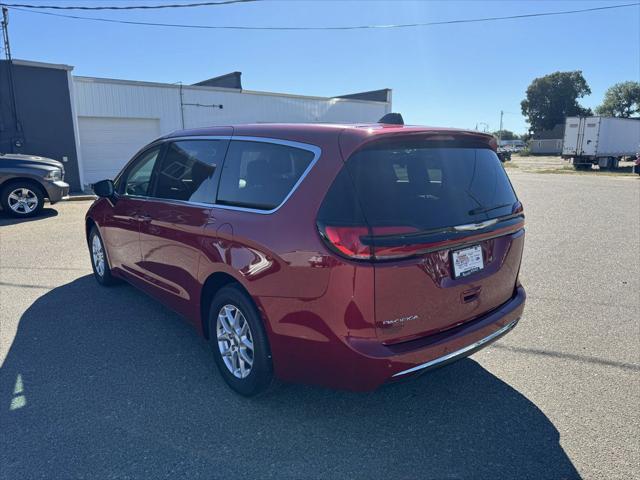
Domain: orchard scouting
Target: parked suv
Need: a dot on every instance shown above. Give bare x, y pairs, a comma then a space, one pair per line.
344, 256
26, 180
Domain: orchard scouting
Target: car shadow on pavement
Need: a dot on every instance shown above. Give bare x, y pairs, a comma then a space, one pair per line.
108, 383
5, 219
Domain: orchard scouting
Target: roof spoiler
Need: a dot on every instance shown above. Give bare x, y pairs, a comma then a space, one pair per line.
392, 119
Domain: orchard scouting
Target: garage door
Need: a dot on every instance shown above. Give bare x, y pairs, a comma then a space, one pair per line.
107, 144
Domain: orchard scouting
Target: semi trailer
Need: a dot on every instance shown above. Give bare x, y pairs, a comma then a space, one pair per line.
602, 141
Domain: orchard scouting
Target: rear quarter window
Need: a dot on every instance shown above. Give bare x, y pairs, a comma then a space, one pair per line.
260, 175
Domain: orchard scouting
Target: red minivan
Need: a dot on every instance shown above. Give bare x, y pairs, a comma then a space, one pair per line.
339, 255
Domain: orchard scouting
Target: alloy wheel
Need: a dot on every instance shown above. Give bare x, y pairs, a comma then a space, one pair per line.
235, 341
97, 253
23, 201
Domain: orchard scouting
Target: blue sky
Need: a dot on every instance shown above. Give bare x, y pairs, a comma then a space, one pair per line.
454, 75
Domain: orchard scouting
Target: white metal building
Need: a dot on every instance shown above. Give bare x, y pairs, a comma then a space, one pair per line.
95, 125
115, 118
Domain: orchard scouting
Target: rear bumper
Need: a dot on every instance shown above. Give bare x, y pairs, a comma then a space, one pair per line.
458, 354
362, 365
394, 362
57, 190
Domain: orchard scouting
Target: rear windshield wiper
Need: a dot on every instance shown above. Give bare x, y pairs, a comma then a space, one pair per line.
478, 210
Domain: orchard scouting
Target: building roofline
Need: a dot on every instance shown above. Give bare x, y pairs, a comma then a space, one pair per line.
370, 95
235, 78
219, 89
30, 63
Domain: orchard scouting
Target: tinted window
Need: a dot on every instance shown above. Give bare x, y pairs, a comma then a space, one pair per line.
137, 178
423, 187
341, 206
261, 175
188, 170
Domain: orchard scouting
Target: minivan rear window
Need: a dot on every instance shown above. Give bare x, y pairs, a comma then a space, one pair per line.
424, 186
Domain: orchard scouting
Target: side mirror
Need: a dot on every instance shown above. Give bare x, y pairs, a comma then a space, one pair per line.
104, 188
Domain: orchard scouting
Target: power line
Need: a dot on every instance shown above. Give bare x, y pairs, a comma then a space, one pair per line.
352, 27
126, 7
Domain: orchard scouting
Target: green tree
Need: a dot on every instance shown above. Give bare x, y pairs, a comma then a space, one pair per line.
505, 135
553, 97
525, 137
621, 100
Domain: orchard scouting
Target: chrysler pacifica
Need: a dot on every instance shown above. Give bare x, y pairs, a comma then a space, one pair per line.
347, 256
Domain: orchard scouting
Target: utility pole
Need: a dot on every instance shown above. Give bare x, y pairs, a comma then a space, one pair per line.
500, 131
17, 141
5, 33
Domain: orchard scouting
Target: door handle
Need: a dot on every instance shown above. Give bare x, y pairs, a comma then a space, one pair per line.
143, 217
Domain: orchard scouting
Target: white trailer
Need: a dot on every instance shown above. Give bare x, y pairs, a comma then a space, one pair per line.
601, 141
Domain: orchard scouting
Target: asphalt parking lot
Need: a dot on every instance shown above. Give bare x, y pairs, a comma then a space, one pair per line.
106, 383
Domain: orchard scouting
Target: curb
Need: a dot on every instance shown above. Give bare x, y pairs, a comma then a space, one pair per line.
75, 198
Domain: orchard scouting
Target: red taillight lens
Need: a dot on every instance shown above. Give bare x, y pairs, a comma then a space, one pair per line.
518, 207
347, 241
401, 251
393, 230
398, 251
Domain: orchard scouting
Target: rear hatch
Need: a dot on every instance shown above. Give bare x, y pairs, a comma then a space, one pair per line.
441, 224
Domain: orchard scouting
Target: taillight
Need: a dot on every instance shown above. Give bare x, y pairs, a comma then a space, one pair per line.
517, 207
392, 230
397, 251
347, 241
401, 251
359, 242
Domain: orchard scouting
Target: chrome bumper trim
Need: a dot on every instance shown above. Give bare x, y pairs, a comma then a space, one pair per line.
462, 351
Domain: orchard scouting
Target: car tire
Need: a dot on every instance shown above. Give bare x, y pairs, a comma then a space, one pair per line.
22, 199
99, 262
239, 342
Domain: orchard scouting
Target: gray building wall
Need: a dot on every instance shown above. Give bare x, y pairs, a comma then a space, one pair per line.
44, 110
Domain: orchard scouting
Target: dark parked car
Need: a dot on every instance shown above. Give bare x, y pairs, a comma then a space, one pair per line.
26, 180
504, 154
344, 256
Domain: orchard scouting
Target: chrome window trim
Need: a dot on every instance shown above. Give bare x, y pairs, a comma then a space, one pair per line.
462, 351
317, 151
196, 137
172, 201
134, 197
